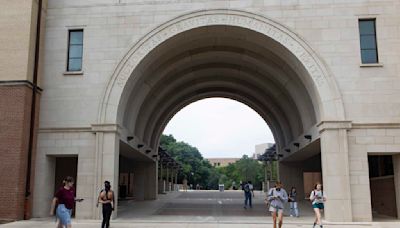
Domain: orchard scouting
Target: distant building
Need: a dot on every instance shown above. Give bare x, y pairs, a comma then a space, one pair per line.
260, 149
222, 162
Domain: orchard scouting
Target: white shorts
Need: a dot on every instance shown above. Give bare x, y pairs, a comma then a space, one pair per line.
273, 209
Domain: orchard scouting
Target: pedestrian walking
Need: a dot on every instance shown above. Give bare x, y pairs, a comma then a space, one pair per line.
106, 198
277, 196
294, 211
63, 203
248, 194
318, 199
185, 185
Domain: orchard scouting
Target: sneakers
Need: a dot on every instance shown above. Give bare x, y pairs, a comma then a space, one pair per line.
320, 226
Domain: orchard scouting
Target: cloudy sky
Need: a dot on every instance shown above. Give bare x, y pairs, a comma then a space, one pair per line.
220, 127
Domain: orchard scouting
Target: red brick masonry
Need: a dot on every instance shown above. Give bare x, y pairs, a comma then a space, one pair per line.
15, 109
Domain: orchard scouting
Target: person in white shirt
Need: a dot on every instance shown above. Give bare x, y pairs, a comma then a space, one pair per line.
318, 199
277, 196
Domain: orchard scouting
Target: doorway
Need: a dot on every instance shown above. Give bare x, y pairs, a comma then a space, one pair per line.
383, 193
65, 166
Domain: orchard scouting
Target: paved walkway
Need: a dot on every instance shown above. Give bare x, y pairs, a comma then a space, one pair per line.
200, 209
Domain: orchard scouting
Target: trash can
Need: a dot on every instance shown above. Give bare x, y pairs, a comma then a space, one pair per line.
221, 187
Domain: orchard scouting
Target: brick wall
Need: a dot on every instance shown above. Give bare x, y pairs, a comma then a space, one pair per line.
15, 109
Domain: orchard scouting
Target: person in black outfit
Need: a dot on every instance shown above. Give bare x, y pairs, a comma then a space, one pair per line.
106, 198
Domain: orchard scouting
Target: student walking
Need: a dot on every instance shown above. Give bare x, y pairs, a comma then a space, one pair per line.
106, 198
277, 196
248, 194
65, 198
318, 198
294, 211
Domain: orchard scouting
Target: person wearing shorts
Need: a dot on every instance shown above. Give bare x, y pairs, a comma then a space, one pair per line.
277, 196
318, 198
65, 197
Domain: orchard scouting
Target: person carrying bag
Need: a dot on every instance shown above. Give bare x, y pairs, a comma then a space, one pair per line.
277, 196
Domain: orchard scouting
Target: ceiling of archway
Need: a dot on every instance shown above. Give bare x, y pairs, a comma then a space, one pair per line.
219, 61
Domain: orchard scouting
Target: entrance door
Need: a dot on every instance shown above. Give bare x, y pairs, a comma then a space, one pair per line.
65, 166
383, 194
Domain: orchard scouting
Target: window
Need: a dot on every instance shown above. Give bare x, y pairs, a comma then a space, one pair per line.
369, 50
75, 50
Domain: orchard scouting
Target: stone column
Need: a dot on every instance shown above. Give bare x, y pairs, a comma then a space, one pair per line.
335, 172
396, 166
172, 179
167, 179
292, 174
176, 180
152, 185
106, 163
139, 181
45, 175
161, 183
359, 177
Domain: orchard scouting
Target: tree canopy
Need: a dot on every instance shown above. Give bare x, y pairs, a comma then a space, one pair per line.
198, 170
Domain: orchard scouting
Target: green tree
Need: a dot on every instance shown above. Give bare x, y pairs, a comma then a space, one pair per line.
246, 169
195, 168
199, 171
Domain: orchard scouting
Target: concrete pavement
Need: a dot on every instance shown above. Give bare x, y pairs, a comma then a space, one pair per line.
203, 209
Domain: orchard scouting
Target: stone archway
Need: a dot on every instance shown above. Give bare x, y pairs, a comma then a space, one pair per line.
329, 100
316, 78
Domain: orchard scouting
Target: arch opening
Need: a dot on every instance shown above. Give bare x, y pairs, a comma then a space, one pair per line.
230, 54
221, 61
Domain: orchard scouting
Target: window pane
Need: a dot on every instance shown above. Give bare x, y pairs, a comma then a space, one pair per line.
76, 37
75, 51
369, 56
75, 65
368, 42
367, 27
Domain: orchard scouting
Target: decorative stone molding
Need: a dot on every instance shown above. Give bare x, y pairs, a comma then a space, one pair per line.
326, 87
106, 128
65, 130
334, 125
376, 126
94, 128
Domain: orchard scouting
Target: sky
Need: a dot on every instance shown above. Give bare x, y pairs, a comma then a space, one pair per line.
220, 127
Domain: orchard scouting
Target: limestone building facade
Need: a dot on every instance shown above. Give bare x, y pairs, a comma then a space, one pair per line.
259, 149
222, 162
325, 76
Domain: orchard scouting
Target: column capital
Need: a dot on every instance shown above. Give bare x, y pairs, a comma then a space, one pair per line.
106, 128
334, 125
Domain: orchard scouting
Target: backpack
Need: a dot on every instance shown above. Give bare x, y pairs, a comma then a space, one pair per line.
313, 192
247, 188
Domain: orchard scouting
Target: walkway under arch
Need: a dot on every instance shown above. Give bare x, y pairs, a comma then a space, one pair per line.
232, 54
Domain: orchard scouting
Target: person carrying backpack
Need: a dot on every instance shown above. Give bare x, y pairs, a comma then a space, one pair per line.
248, 194
106, 198
277, 196
318, 199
